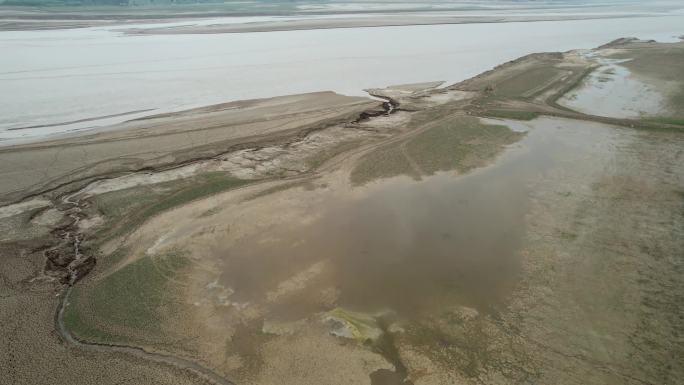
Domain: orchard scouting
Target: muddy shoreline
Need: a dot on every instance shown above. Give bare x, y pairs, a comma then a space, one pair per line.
267, 159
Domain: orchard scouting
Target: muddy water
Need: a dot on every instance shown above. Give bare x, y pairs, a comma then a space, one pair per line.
411, 247
406, 246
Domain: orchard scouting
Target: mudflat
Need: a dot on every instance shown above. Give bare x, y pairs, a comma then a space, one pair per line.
167, 140
494, 231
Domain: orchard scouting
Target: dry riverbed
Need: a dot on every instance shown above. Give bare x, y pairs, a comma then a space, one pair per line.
319, 238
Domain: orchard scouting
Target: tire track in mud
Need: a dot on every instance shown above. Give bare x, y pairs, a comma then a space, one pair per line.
412, 162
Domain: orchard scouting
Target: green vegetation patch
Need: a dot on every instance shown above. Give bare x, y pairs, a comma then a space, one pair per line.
307, 184
465, 348
127, 209
458, 143
676, 100
204, 186
512, 114
461, 143
422, 118
384, 162
77, 323
667, 120
132, 298
316, 160
526, 83
662, 124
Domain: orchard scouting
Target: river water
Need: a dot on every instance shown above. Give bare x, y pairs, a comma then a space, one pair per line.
64, 80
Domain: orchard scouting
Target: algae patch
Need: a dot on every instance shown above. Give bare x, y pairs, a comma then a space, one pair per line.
375, 331
357, 326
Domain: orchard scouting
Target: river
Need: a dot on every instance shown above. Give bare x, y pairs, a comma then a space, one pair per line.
64, 80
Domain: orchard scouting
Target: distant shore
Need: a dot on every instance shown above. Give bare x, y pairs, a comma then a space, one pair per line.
358, 22
108, 75
217, 21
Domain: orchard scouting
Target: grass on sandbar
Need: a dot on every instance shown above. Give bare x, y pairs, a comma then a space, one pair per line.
384, 162
127, 209
456, 143
668, 120
133, 298
461, 144
512, 114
